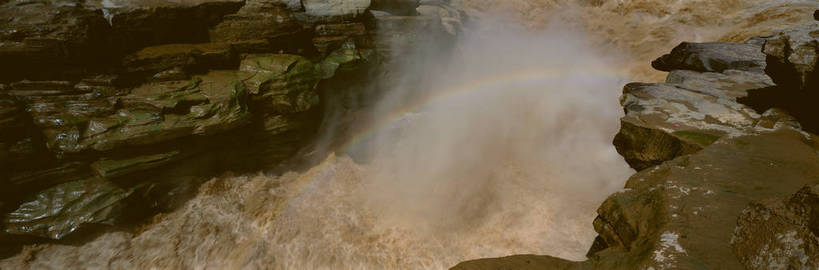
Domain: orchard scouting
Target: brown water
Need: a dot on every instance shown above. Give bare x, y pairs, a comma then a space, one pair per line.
508, 152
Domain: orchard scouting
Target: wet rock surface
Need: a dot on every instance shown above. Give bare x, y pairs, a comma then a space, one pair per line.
114, 110
726, 178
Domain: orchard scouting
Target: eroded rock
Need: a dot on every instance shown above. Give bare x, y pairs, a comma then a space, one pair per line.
186, 58
712, 57
780, 233
793, 58
260, 26
664, 121
58, 211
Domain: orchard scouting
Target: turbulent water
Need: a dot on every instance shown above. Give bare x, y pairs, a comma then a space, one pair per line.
504, 148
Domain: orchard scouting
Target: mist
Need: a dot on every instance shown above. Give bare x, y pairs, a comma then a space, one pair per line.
506, 147
499, 145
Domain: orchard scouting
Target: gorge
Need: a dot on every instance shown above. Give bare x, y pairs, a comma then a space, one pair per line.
358, 134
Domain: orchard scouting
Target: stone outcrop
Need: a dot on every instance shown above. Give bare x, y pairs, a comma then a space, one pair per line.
780, 233
792, 62
793, 58
113, 110
726, 179
712, 57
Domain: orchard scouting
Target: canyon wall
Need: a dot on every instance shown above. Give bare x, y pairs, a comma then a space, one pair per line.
111, 111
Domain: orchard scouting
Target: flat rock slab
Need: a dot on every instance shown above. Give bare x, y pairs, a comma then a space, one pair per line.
664, 121
712, 57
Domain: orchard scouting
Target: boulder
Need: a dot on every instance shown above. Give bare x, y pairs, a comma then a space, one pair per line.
780, 232
712, 57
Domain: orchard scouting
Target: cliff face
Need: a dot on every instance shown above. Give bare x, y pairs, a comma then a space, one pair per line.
113, 110
726, 160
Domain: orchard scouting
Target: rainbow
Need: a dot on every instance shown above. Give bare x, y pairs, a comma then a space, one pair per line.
483, 84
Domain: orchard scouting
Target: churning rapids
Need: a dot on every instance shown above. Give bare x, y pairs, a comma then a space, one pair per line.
503, 148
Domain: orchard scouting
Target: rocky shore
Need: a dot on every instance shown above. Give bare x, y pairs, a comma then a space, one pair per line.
113, 110
727, 161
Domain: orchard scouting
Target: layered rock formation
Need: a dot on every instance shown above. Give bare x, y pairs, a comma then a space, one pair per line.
726, 173
113, 110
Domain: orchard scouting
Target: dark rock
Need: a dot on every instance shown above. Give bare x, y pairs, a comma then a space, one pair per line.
44, 88
108, 168
522, 262
190, 58
56, 212
347, 57
27, 181
792, 64
280, 83
778, 233
44, 40
330, 37
260, 28
793, 58
156, 94
712, 57
139, 24
396, 7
